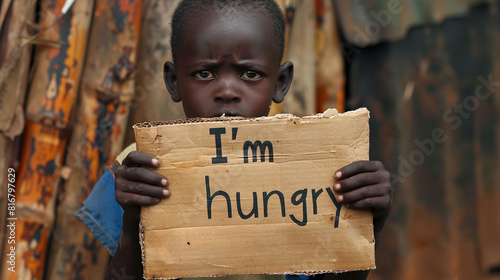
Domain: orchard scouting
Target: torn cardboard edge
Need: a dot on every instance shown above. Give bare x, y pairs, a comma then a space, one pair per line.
329, 113
169, 132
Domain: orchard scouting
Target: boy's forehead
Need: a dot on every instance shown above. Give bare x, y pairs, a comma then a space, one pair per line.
224, 21
252, 27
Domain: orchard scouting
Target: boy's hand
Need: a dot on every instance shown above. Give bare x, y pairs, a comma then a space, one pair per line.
364, 184
136, 185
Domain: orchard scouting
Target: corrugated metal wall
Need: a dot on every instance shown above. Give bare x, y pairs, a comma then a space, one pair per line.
433, 95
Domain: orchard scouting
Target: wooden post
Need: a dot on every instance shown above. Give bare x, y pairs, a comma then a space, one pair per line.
288, 8
59, 64
5, 157
104, 100
15, 58
36, 186
300, 49
152, 100
330, 77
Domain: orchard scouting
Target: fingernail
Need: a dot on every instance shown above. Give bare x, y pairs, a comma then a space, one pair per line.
164, 182
338, 174
336, 186
165, 192
155, 161
340, 198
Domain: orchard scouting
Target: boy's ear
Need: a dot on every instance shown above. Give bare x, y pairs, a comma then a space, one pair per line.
285, 76
170, 77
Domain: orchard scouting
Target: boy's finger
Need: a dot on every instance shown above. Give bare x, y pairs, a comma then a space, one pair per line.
356, 168
143, 175
131, 199
145, 189
137, 158
379, 190
357, 181
379, 204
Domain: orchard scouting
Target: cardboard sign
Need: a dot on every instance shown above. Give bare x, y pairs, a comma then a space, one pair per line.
254, 196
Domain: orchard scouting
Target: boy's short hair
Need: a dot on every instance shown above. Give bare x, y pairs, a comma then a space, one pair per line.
186, 6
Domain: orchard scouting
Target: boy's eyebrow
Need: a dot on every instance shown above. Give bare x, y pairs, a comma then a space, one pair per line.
215, 64
205, 64
245, 64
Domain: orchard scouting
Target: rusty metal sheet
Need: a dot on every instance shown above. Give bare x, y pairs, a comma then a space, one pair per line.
369, 22
438, 136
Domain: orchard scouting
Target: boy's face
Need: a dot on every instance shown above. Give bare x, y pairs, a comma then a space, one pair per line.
228, 64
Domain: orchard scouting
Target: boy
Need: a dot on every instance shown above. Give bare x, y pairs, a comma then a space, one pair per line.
227, 58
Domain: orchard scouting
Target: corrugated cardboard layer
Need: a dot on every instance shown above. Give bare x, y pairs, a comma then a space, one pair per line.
227, 216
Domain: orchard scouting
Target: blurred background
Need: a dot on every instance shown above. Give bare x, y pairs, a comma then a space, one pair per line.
75, 75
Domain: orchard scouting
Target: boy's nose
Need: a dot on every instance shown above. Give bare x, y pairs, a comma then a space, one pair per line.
226, 94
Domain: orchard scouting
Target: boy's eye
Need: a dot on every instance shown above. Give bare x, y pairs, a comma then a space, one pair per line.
251, 75
204, 75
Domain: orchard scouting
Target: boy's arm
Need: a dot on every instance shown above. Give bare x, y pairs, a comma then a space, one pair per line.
354, 275
135, 186
127, 263
363, 185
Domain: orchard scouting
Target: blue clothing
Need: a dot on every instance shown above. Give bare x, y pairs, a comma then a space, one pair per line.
102, 213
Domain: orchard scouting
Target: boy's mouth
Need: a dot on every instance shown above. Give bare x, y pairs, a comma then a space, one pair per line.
227, 113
